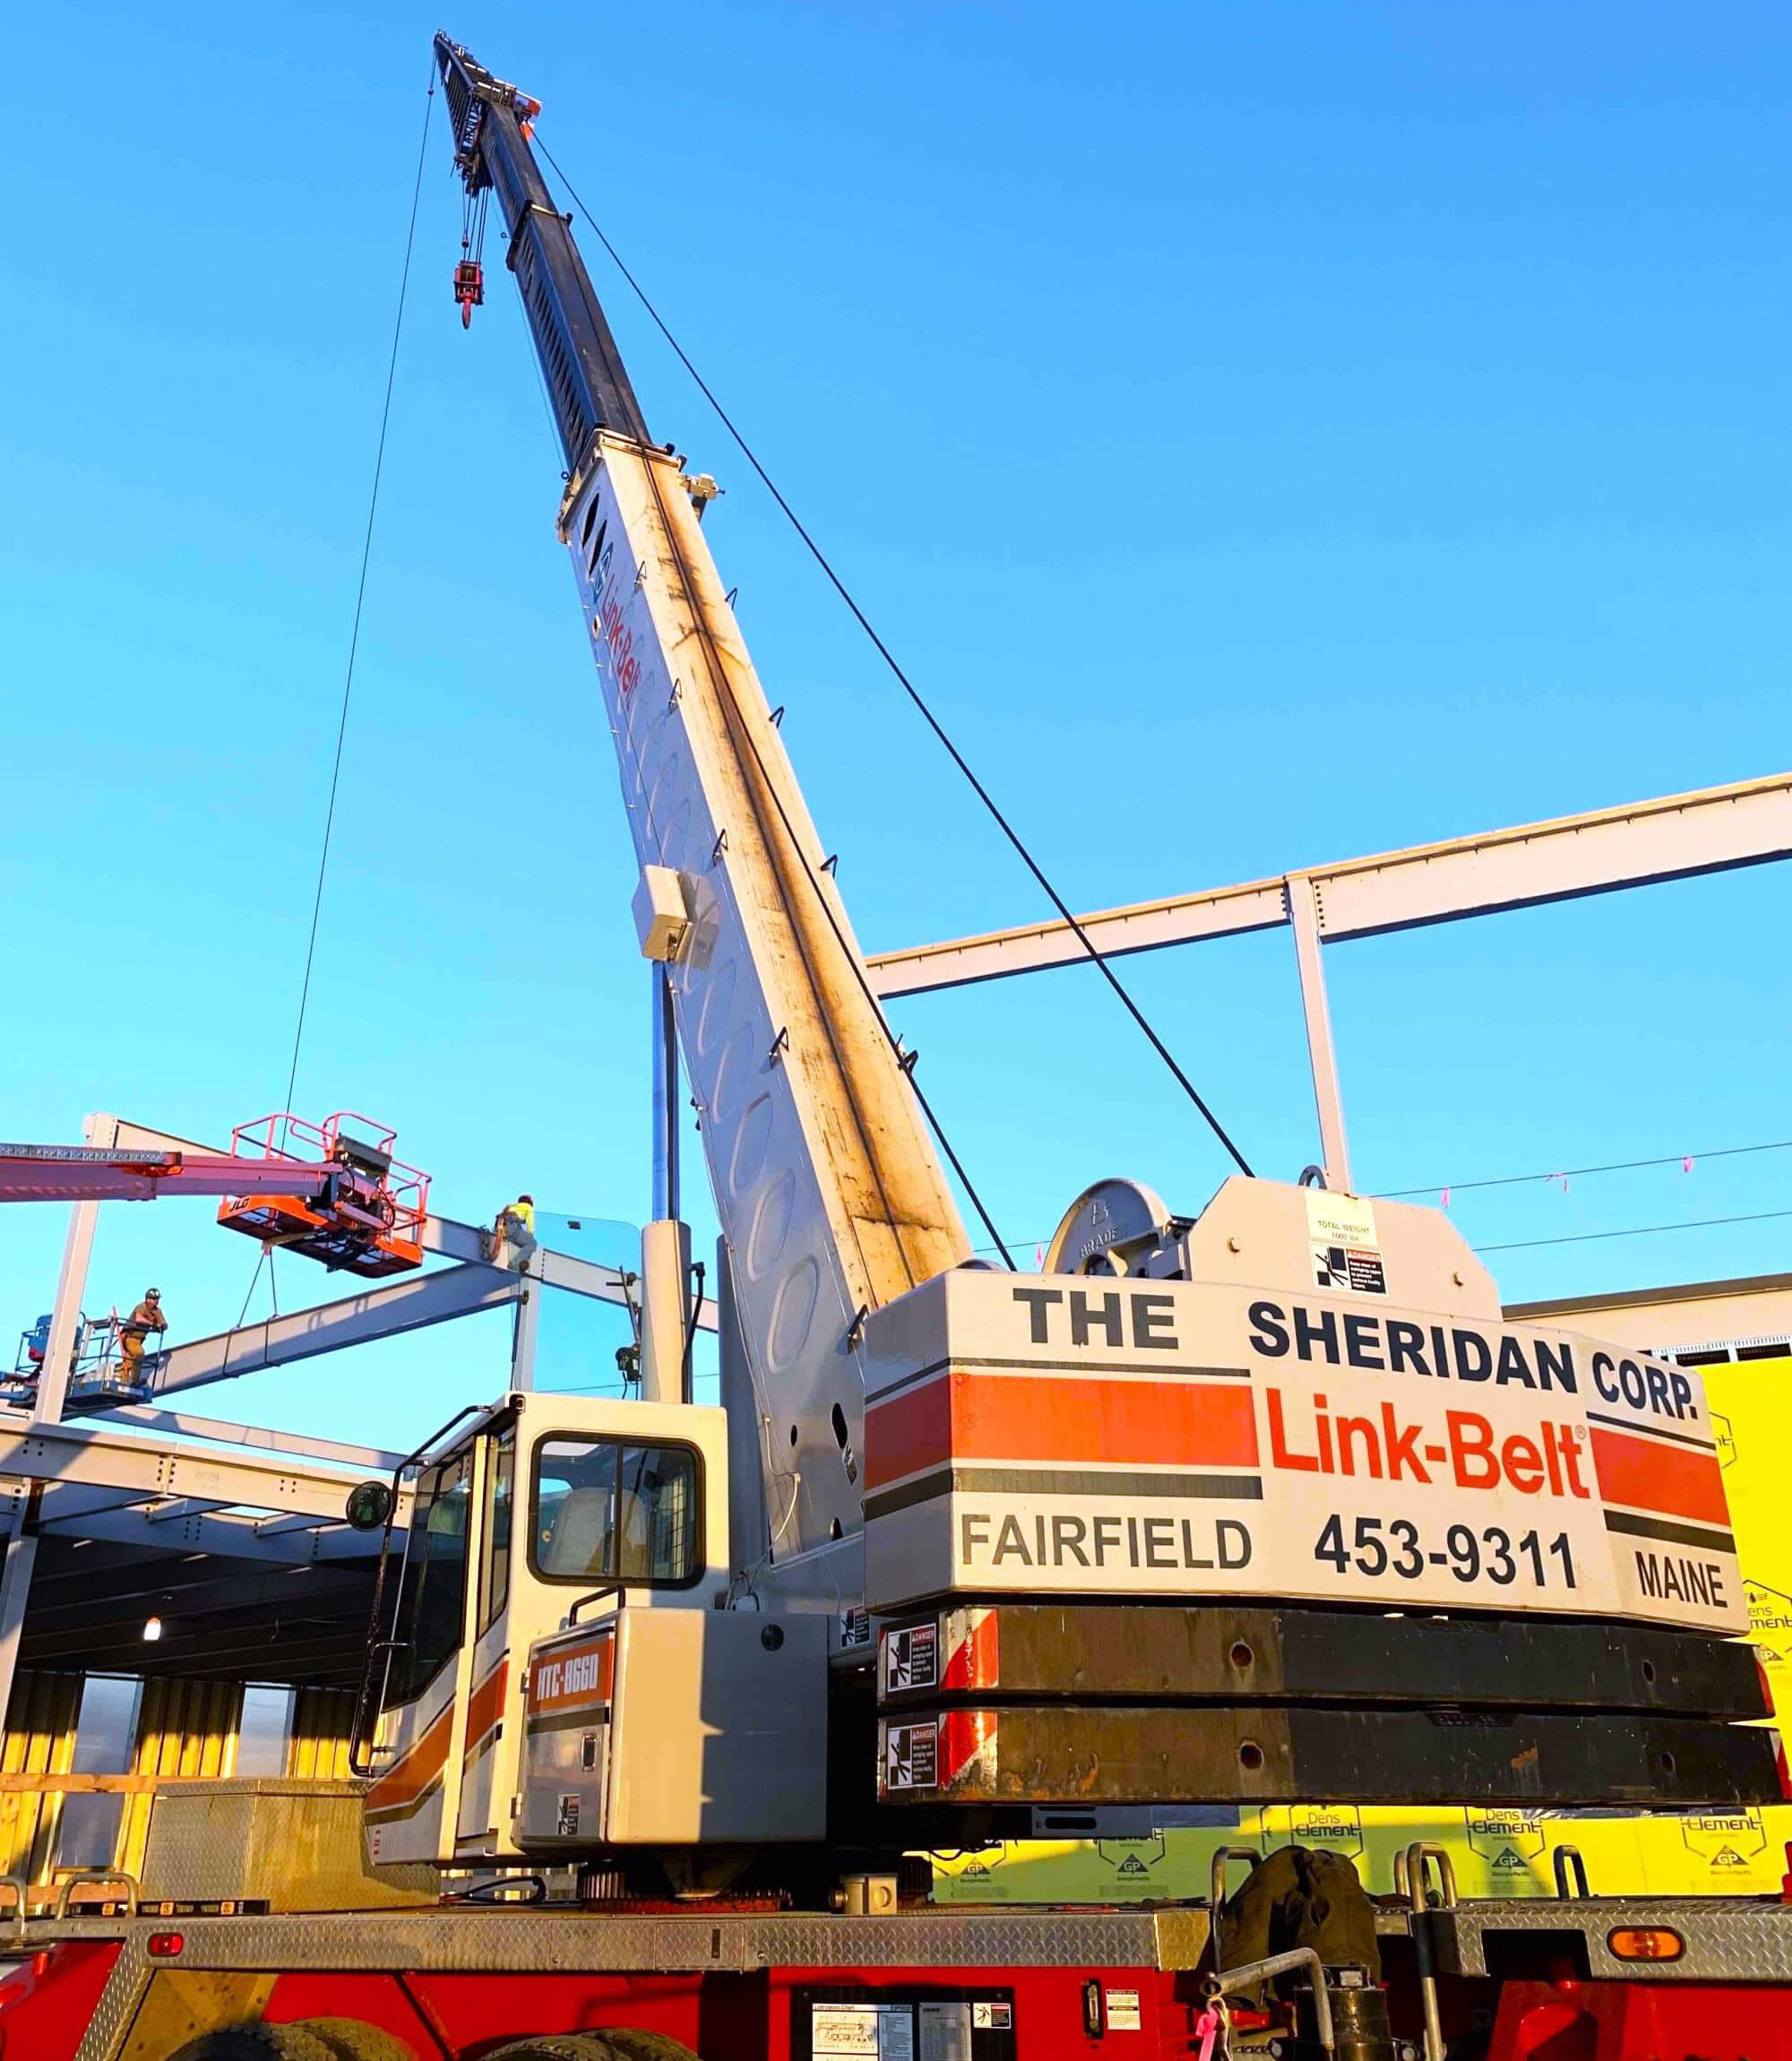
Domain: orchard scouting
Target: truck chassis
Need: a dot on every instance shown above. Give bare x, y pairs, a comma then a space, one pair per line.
1509, 1980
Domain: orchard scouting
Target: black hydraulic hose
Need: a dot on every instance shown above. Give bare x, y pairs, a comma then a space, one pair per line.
694, 1305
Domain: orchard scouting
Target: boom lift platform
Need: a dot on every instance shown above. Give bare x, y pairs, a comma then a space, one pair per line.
1263, 1503
367, 1215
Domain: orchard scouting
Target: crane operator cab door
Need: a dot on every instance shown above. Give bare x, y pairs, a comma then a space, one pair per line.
561, 1521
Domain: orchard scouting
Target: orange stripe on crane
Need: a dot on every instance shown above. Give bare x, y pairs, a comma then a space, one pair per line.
1645, 1475
485, 1707
407, 1779
1049, 1420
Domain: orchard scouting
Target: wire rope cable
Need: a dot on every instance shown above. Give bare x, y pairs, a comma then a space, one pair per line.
1687, 1159
907, 684
265, 1255
360, 597
1634, 1231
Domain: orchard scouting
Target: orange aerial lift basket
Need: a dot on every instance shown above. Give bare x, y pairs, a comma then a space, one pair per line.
367, 1215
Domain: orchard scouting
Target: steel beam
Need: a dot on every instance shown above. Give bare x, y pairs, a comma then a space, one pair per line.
100, 1456
181, 1508
281, 1527
183, 1424
224, 1590
467, 1243
235, 1535
407, 1304
1748, 823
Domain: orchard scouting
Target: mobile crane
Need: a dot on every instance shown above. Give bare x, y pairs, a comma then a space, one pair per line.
1270, 1503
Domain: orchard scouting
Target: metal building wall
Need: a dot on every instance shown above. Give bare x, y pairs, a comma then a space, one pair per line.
184, 1729
317, 1747
39, 1742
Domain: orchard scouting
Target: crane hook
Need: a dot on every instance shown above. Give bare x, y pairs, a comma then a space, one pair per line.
469, 288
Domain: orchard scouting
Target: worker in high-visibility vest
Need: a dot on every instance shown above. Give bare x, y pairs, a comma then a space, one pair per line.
134, 1334
514, 1233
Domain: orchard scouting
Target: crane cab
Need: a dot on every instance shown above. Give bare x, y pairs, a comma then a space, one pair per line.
553, 1670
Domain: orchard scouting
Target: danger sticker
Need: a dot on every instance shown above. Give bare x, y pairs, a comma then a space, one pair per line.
911, 1755
1346, 1251
912, 1657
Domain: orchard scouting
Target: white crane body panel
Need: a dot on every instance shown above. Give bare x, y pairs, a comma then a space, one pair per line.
829, 1193
1263, 1431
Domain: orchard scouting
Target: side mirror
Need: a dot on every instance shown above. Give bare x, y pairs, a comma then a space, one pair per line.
369, 1504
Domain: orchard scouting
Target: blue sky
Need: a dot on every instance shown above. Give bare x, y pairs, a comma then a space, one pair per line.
1268, 433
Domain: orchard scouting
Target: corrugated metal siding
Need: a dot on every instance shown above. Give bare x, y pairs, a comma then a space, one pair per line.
183, 1729
40, 1740
317, 1749
187, 1728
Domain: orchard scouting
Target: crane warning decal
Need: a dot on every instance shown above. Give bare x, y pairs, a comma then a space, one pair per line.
1057, 1435
1346, 1253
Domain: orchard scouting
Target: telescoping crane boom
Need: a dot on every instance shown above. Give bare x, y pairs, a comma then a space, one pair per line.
1268, 1504
829, 1193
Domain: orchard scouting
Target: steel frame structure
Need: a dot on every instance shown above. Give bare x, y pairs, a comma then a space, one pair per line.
1675, 837
146, 1476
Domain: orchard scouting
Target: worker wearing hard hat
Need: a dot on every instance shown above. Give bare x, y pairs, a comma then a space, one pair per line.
514, 1233
134, 1334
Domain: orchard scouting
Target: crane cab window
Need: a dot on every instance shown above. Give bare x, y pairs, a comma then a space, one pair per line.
434, 1596
615, 1510
495, 1575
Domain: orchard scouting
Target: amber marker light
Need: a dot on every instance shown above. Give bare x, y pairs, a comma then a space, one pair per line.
1645, 1943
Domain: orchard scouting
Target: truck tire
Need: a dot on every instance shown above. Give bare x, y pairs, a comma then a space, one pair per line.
354, 2040
647, 2046
557, 2047
612, 2044
256, 2042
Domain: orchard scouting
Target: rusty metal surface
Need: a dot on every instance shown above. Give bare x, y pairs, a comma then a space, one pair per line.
1170, 1754
1241, 1653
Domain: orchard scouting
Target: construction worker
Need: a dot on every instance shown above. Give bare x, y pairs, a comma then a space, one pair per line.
135, 1332
515, 1228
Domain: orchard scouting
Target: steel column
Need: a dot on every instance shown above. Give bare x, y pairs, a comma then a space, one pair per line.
15, 1586
71, 1285
1303, 913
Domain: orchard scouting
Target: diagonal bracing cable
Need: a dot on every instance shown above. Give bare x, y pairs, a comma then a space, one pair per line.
907, 684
